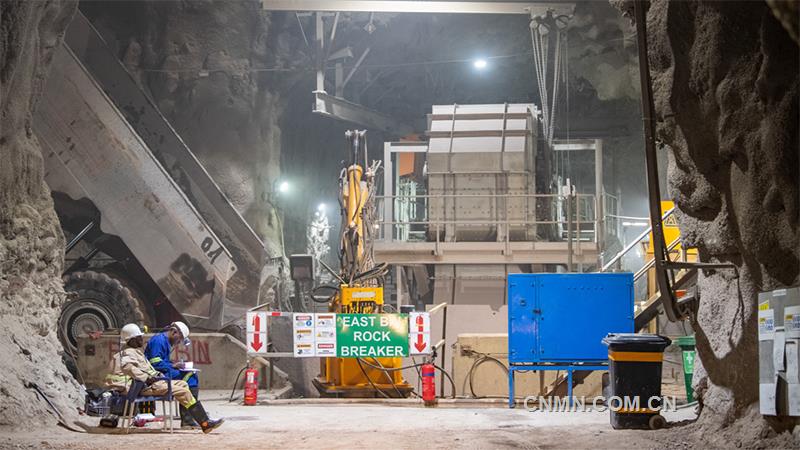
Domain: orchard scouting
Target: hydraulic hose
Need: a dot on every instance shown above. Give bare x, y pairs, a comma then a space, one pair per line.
413, 366
475, 365
235, 382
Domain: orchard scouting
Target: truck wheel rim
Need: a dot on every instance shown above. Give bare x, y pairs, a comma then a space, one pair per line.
85, 318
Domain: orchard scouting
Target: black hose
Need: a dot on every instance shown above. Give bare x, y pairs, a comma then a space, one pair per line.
235, 382
319, 288
475, 365
393, 369
452, 383
419, 373
383, 369
358, 360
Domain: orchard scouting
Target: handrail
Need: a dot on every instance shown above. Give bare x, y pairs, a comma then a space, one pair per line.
588, 219
633, 243
652, 262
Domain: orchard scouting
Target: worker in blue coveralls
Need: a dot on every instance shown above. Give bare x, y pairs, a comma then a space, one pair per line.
157, 352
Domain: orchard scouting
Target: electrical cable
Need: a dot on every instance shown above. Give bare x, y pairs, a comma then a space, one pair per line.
377, 389
53, 408
419, 373
321, 287
235, 382
452, 383
399, 394
475, 365
556, 76
482, 358
394, 369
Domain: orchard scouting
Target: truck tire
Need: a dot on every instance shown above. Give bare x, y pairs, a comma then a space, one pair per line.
101, 300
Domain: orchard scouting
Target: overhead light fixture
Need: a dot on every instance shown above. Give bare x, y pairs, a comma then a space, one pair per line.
480, 64
283, 187
321, 207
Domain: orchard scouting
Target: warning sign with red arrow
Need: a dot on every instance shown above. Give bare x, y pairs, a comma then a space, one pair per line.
256, 332
419, 333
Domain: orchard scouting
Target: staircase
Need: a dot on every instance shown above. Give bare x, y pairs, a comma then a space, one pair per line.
684, 282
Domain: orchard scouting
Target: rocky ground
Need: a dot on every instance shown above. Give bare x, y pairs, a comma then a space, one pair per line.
334, 425
401, 424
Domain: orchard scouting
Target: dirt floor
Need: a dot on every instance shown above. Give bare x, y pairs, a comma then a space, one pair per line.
338, 424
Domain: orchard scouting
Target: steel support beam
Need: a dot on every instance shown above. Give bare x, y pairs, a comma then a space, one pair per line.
408, 6
339, 108
599, 194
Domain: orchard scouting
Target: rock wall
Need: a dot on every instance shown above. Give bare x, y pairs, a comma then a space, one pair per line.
200, 62
725, 76
31, 242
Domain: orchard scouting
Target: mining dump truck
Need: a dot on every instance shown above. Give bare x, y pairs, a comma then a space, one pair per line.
157, 239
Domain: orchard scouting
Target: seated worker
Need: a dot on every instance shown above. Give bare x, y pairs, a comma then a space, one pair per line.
157, 352
130, 364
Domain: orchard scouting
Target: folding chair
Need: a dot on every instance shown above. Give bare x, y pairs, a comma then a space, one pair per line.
133, 398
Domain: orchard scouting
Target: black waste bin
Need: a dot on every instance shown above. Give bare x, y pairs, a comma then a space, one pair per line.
634, 366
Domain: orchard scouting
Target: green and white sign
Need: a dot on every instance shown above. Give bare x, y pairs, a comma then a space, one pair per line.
348, 335
372, 335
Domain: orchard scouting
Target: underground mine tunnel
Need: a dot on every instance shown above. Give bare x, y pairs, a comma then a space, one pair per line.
375, 224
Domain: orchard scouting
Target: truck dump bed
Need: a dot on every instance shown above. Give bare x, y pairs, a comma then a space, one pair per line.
106, 142
166, 145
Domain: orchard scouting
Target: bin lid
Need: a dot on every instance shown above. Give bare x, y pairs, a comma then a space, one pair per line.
685, 341
654, 342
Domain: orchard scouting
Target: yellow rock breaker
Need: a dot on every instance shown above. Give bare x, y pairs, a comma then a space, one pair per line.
361, 289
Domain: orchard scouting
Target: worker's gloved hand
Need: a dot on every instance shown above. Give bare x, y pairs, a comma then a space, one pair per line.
179, 365
150, 380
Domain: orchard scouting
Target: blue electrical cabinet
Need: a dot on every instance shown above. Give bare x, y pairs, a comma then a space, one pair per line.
562, 318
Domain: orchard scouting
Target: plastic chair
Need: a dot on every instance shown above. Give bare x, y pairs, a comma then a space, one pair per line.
133, 398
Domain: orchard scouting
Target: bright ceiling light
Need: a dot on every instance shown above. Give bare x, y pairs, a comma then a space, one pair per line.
479, 64
283, 187
321, 207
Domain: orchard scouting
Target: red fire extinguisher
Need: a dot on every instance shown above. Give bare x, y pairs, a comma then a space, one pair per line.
428, 384
250, 386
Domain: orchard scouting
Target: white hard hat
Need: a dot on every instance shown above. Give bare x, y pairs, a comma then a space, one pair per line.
130, 331
183, 329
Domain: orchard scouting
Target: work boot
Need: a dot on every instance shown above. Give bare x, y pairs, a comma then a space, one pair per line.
199, 413
187, 421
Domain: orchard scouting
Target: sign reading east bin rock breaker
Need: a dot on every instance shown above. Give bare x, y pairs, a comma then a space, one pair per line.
372, 335
360, 335
346, 335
